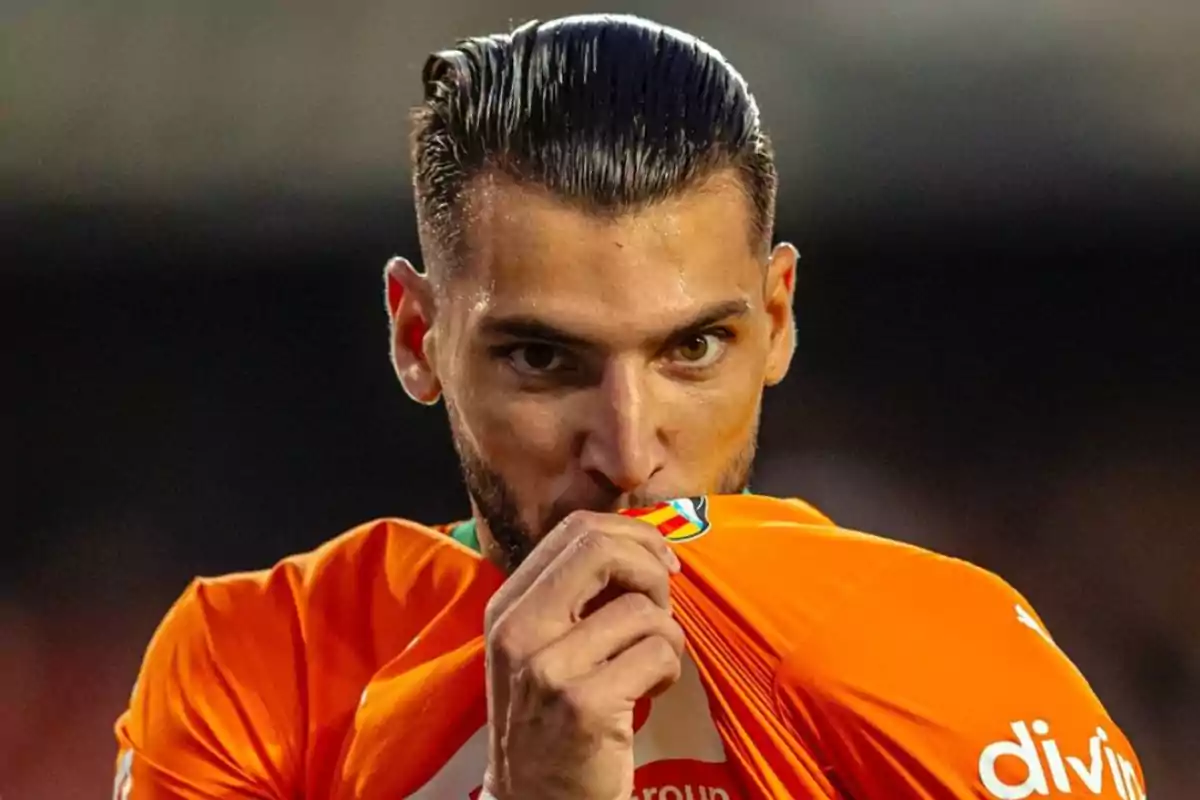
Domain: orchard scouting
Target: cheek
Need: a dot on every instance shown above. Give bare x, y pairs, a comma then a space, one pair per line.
515, 433
711, 424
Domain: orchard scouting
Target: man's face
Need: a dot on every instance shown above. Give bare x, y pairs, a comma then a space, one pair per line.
603, 363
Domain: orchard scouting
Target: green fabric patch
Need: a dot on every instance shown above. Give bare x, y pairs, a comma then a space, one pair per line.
465, 534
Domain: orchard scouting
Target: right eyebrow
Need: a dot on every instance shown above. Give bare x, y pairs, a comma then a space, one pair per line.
522, 327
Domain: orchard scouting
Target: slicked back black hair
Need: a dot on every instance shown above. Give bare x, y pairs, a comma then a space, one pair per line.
608, 112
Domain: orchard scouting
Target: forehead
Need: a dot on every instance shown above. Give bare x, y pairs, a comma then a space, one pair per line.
531, 253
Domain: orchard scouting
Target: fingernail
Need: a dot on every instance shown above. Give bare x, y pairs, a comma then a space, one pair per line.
674, 564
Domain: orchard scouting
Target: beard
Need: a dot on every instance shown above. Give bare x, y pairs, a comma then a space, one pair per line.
515, 539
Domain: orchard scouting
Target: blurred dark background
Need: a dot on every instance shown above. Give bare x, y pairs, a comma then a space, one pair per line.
996, 206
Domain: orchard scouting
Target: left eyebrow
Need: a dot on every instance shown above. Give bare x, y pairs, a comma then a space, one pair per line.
720, 312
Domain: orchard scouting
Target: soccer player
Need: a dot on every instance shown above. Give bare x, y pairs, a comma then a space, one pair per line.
600, 311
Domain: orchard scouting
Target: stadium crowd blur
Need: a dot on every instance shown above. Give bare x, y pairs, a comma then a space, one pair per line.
995, 206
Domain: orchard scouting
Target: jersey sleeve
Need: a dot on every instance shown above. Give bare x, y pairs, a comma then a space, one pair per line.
205, 719
942, 682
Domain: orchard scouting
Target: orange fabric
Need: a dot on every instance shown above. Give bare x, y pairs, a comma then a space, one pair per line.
821, 663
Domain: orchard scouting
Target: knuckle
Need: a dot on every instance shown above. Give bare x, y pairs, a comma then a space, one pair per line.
580, 519
674, 635
493, 612
578, 701
539, 671
636, 604
664, 654
505, 639
592, 540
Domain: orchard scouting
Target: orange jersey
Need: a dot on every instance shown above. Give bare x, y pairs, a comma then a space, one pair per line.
821, 663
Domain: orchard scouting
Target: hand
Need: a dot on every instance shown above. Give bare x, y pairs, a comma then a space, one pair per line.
578, 633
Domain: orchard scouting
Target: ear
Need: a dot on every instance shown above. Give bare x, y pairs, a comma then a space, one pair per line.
410, 310
779, 292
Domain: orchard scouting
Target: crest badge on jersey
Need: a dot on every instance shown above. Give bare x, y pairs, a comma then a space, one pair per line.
679, 520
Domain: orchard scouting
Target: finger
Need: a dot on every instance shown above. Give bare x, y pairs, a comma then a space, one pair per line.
567, 532
594, 563
603, 636
558, 598
583, 522
638, 531
646, 668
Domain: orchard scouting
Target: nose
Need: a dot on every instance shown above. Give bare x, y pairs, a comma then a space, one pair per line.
622, 439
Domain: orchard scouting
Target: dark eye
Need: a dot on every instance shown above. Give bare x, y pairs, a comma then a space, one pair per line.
536, 358
700, 350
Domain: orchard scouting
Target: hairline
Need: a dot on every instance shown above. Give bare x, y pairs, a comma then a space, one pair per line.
441, 264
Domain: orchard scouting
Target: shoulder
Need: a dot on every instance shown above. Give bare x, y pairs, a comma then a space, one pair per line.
797, 571
844, 599
785, 536
370, 569
368, 588
890, 651
787, 543
224, 686
857, 615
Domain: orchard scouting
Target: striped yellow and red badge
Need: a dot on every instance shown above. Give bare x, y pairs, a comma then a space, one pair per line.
678, 520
